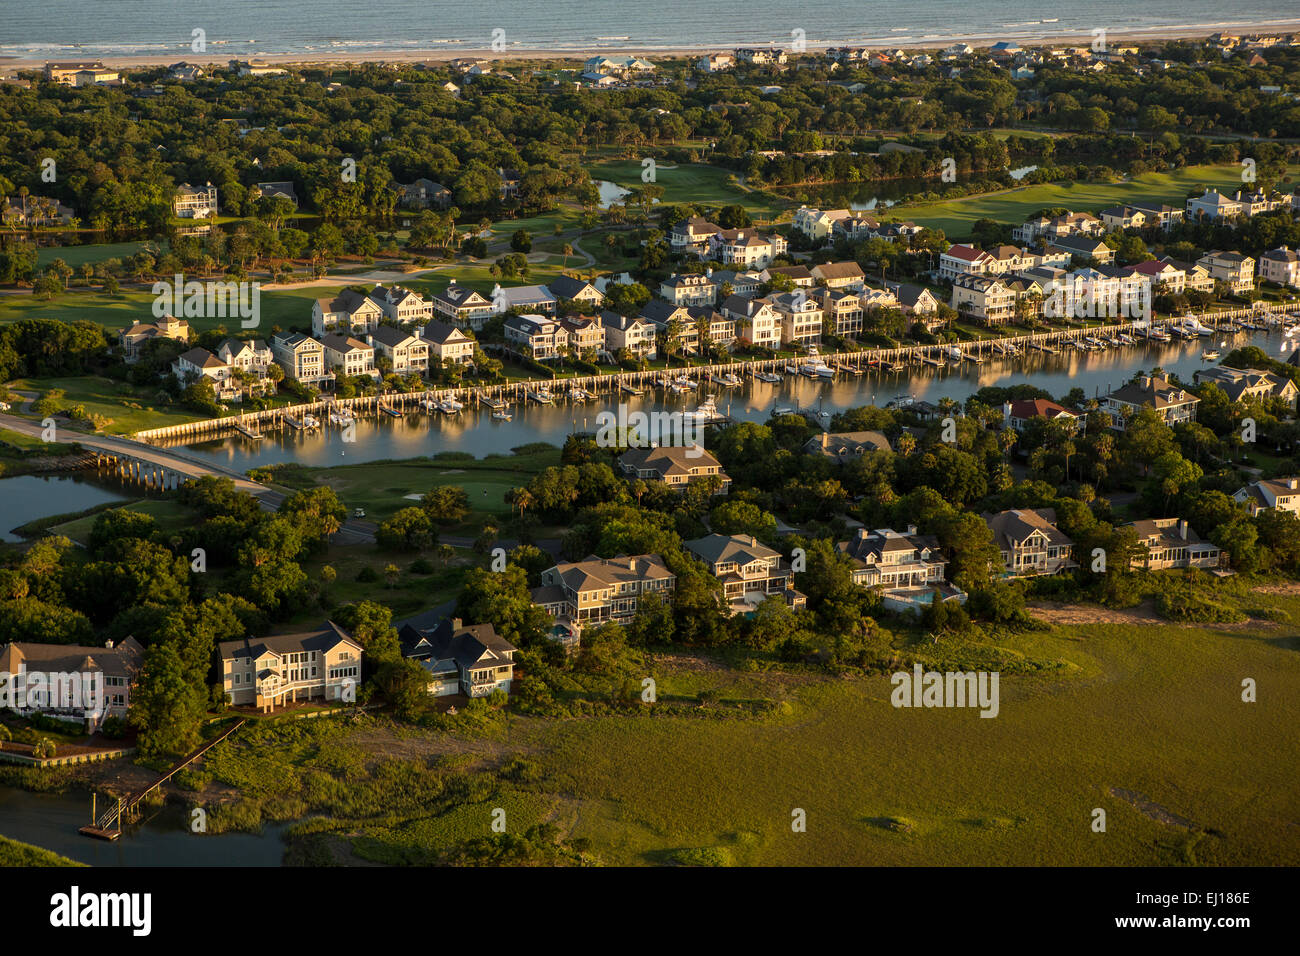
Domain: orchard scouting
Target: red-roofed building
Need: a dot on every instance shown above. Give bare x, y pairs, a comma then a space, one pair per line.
1018, 413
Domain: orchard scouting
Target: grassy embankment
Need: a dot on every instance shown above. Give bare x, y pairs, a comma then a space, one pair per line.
1145, 722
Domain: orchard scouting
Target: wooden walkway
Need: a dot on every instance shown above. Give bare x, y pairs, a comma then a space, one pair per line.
108, 826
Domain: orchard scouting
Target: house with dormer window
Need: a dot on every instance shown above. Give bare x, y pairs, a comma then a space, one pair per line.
270, 672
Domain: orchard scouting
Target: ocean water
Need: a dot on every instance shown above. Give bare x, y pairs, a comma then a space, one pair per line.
163, 28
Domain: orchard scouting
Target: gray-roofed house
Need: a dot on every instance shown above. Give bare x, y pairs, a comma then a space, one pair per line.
350, 355
1282, 494
87, 684
908, 568
675, 465
534, 298
1166, 543
596, 590
448, 343
463, 306
567, 288
841, 447
350, 312
405, 351
274, 191
268, 672
469, 659
1030, 542
1173, 403
749, 571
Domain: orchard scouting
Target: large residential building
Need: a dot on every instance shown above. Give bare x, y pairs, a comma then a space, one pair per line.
580, 291
348, 313
1030, 541
840, 275
198, 363
534, 298
692, 235
460, 659
585, 333
64, 72
1166, 543
842, 310
248, 355
628, 332
1213, 205
1237, 270
406, 352
1172, 402
87, 684
802, 317
422, 194
536, 336
818, 224
349, 356
675, 465
747, 248
841, 447
596, 590
448, 343
269, 672
1248, 383
1056, 227
1083, 249
757, 322
1282, 494
908, 568
463, 306
35, 211
750, 572
689, 289
1280, 265
301, 357
133, 339
402, 305
1018, 413
986, 299
195, 202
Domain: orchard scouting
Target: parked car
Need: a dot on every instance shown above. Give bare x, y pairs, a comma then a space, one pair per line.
358, 512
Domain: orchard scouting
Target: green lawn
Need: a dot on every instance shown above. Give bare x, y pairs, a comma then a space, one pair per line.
690, 183
169, 516
124, 408
1013, 206
77, 256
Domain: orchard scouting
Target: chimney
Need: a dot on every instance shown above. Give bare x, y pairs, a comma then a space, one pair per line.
109, 644
911, 529
1182, 528
826, 440
455, 624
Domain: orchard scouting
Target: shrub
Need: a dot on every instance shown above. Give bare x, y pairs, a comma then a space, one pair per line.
367, 575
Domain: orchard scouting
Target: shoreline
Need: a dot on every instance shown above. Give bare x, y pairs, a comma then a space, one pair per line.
444, 54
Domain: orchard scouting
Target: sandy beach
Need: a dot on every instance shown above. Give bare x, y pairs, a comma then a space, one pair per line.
433, 56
